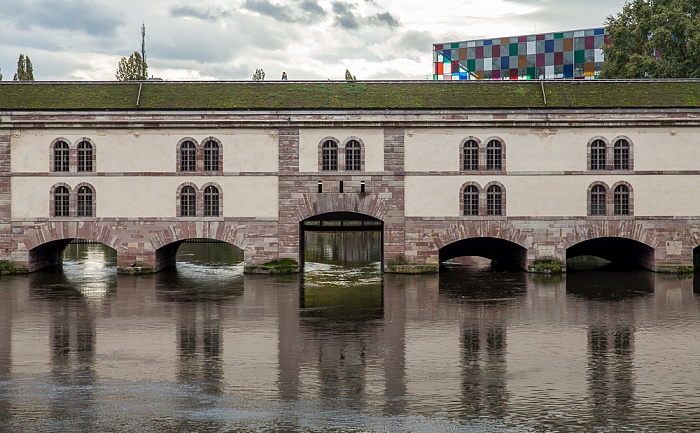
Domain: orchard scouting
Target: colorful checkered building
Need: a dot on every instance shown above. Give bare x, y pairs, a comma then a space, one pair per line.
564, 55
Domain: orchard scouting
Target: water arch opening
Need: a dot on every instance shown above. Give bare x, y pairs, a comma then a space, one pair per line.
342, 238
340, 256
74, 267
200, 252
499, 253
610, 252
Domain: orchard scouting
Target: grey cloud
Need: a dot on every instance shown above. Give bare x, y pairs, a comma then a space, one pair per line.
346, 17
307, 11
72, 15
202, 13
385, 18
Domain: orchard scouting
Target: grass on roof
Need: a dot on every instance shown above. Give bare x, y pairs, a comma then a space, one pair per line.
370, 95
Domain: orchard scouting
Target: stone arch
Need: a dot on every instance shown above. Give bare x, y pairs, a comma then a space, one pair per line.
617, 249
499, 250
316, 204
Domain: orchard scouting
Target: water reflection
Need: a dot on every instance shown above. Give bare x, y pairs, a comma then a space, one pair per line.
203, 348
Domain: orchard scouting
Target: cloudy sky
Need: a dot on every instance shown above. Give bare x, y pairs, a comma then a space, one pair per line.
229, 39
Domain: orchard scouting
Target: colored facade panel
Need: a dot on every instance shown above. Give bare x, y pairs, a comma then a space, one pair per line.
563, 55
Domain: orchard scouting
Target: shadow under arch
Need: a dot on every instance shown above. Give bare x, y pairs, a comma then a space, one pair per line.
501, 251
166, 256
50, 254
622, 252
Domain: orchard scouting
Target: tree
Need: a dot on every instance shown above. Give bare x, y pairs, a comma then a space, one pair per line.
132, 68
349, 76
654, 39
25, 71
259, 75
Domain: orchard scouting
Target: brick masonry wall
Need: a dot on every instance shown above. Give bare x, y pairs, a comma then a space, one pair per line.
5, 198
673, 240
144, 243
299, 198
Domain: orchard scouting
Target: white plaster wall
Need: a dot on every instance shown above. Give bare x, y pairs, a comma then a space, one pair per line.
129, 151
554, 196
311, 139
148, 196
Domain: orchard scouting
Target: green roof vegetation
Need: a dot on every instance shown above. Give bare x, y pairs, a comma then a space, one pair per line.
367, 95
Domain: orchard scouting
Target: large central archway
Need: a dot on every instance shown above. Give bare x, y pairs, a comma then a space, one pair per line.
340, 222
503, 252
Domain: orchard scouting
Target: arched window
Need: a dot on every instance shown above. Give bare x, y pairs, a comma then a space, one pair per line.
598, 155
621, 200
494, 200
598, 194
85, 201
330, 156
61, 202
621, 155
494, 155
471, 200
211, 156
353, 156
188, 156
471, 155
61, 156
84, 156
211, 201
188, 201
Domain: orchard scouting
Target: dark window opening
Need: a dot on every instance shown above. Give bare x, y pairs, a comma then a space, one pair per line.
61, 204
471, 200
61, 157
494, 197
353, 156
84, 156
188, 157
188, 202
471, 155
84, 201
330, 156
494, 155
211, 156
598, 200
211, 201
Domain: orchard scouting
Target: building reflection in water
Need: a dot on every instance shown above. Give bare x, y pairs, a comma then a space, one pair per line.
610, 363
72, 340
484, 299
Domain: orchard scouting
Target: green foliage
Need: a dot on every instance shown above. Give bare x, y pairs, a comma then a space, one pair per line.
275, 267
645, 27
7, 267
25, 71
349, 76
132, 68
259, 75
552, 266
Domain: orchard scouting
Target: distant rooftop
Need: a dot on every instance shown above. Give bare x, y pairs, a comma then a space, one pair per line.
365, 95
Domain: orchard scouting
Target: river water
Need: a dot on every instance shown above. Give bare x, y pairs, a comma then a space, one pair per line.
344, 348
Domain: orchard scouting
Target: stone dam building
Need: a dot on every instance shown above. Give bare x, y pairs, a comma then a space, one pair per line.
524, 173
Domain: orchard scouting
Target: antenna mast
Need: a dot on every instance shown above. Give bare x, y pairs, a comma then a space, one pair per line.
143, 50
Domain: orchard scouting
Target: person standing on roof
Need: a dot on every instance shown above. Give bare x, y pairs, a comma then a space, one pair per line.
284, 76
